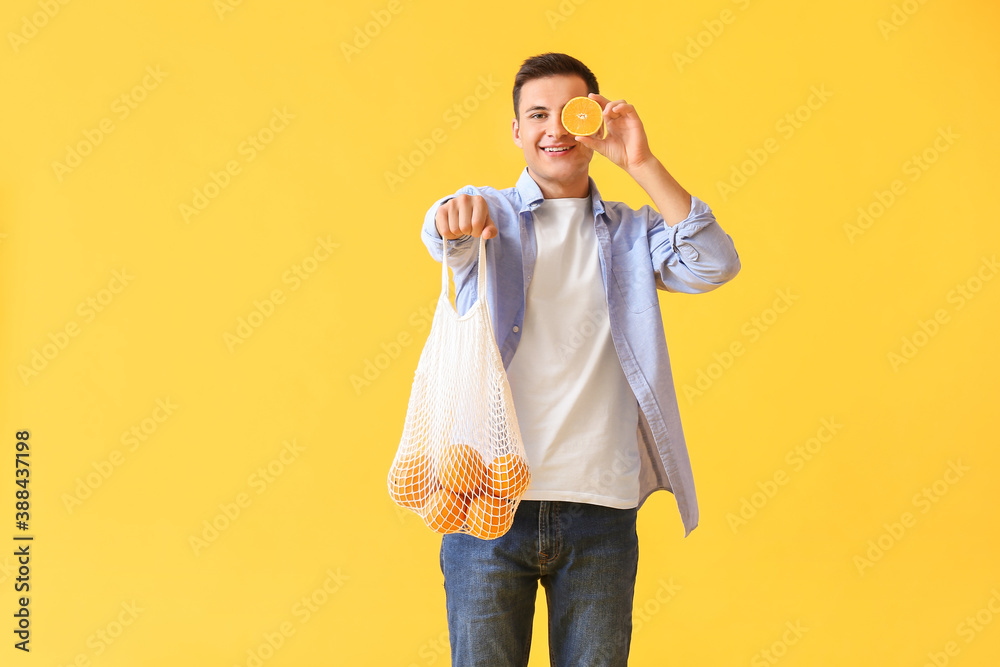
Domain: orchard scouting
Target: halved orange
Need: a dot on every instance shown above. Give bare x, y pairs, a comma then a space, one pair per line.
582, 117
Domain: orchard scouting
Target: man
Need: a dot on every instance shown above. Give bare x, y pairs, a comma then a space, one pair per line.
571, 286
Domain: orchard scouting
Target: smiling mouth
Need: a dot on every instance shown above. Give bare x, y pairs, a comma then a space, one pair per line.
557, 149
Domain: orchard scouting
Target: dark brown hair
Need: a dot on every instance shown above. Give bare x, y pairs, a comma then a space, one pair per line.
551, 64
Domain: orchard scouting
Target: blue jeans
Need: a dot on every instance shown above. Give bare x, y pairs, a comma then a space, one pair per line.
585, 557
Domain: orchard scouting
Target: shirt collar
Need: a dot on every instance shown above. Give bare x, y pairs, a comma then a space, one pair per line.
531, 194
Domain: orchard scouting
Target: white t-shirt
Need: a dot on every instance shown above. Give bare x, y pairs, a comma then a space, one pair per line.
577, 414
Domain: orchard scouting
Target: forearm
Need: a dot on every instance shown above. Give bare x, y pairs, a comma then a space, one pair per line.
671, 200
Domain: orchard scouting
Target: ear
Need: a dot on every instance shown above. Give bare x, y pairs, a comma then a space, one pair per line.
516, 132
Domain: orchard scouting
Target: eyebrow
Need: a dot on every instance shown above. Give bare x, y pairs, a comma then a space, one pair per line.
537, 107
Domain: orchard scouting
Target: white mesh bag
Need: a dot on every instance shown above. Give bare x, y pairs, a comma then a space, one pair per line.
460, 463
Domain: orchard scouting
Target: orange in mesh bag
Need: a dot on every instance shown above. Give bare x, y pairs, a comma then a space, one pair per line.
460, 463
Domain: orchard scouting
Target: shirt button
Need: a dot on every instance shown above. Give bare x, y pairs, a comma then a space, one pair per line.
516, 329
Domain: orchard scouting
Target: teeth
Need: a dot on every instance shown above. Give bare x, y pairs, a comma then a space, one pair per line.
556, 150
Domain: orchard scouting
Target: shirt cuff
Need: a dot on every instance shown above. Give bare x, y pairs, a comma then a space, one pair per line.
679, 235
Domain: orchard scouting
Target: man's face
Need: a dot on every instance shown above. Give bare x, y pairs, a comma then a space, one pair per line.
540, 135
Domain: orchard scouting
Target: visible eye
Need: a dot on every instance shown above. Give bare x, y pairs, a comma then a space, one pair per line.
536, 115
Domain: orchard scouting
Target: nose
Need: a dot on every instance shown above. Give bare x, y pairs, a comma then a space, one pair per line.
554, 128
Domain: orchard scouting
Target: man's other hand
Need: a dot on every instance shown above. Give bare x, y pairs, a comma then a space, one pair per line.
626, 144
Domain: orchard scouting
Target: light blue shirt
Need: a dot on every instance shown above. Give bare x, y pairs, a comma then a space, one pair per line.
639, 254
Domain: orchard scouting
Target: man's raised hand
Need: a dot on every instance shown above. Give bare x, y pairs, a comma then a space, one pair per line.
626, 144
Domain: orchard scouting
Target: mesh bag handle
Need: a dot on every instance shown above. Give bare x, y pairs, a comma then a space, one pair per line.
480, 285
461, 464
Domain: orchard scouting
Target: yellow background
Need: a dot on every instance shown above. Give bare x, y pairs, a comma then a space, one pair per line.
362, 104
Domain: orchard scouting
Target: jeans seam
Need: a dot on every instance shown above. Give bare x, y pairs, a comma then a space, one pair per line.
556, 530
543, 556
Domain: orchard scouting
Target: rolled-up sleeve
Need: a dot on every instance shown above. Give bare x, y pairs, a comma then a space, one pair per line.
693, 256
